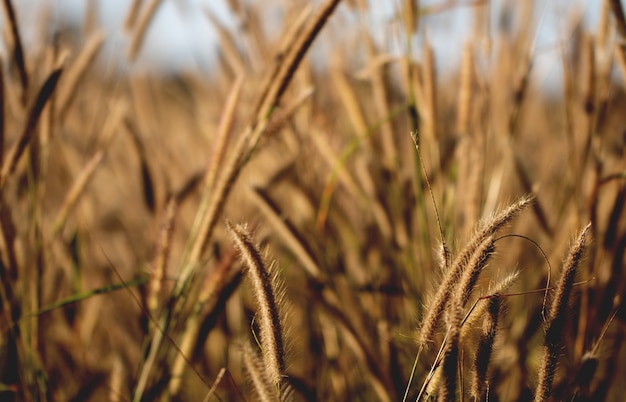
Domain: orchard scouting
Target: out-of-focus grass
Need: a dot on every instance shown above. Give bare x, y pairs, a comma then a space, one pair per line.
119, 280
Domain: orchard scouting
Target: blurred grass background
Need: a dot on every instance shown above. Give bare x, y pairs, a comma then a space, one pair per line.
106, 174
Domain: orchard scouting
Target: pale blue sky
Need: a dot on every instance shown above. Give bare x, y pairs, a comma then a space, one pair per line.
181, 37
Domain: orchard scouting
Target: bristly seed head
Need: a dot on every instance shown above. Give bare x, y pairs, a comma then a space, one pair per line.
269, 316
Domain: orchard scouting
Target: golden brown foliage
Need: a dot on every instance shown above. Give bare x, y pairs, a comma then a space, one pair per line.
118, 281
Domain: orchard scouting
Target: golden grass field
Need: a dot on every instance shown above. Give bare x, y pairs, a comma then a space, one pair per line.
374, 229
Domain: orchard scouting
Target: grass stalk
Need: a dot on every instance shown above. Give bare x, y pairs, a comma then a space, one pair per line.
161, 257
208, 296
18, 49
285, 232
76, 72
46, 91
143, 22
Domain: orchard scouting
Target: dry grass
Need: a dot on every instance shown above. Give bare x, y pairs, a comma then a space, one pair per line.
417, 217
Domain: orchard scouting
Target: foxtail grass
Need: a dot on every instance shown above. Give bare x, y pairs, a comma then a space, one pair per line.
481, 305
465, 287
557, 315
485, 348
459, 265
268, 136
270, 321
475, 266
449, 365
